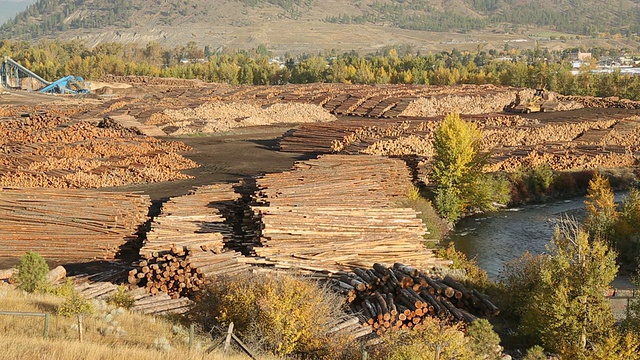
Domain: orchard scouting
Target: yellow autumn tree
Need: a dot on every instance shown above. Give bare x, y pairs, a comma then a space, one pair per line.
601, 208
457, 170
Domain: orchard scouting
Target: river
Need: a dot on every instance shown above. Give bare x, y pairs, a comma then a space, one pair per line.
493, 239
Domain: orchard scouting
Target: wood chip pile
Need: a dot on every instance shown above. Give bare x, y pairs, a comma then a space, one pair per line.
185, 245
71, 225
401, 297
339, 212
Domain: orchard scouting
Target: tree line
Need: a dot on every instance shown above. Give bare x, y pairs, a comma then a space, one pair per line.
523, 68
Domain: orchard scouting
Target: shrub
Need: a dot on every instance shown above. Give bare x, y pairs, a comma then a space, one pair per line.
436, 226
483, 340
449, 204
568, 312
75, 304
64, 290
519, 279
535, 353
532, 184
32, 272
475, 275
121, 298
434, 340
281, 314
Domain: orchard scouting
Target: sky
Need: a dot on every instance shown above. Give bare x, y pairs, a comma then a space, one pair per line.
9, 8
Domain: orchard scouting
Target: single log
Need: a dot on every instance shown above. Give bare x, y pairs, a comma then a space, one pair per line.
58, 273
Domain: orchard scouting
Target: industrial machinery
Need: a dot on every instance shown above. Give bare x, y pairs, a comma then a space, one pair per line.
542, 101
15, 76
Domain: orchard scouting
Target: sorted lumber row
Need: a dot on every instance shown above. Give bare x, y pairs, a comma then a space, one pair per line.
339, 212
71, 225
185, 246
402, 297
161, 304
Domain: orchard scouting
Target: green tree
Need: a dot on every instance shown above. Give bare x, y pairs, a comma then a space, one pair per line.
601, 208
627, 230
32, 272
457, 165
568, 312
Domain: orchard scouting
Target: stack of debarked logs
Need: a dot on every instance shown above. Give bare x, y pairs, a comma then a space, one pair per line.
401, 297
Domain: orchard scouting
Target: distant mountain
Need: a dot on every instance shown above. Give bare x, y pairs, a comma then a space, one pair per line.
299, 23
11, 7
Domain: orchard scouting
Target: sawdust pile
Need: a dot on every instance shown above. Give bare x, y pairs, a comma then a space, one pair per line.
215, 117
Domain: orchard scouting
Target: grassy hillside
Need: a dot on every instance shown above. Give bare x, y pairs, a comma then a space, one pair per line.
311, 25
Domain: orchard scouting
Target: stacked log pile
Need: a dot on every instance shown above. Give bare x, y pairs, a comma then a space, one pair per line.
598, 102
185, 246
46, 150
402, 297
339, 212
71, 225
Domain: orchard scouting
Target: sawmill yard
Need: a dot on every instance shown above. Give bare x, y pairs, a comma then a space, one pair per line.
166, 184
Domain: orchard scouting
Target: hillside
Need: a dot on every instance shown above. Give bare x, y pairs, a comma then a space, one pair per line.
309, 24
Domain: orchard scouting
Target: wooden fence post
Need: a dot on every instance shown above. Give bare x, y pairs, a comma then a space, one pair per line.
47, 317
227, 342
191, 335
80, 327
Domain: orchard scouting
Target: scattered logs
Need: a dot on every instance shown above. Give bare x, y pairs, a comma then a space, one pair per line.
70, 225
401, 297
339, 212
185, 246
161, 304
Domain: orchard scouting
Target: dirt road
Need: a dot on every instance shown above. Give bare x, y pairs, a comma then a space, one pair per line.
225, 158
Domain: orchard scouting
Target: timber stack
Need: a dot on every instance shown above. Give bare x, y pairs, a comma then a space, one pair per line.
402, 297
70, 225
339, 212
185, 246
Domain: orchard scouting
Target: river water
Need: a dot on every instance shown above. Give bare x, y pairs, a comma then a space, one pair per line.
493, 239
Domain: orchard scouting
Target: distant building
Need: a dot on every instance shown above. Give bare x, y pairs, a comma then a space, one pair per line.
582, 56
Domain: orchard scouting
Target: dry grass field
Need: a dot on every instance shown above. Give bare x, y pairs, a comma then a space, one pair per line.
110, 333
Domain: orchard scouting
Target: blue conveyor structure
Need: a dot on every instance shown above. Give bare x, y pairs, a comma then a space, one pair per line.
13, 76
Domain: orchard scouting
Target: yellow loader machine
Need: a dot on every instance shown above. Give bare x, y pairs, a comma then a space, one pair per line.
541, 101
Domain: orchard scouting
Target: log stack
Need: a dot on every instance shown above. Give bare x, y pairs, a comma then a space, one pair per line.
339, 212
402, 297
69, 225
185, 246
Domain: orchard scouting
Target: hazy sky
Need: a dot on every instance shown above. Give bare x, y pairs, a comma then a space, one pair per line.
9, 8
